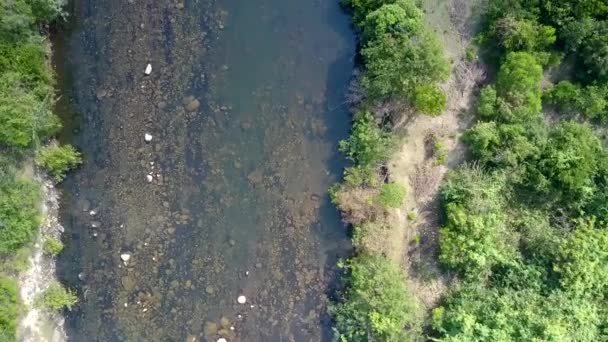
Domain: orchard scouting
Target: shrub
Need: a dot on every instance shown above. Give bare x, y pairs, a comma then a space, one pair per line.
391, 195
570, 160
377, 305
52, 246
10, 307
56, 297
475, 236
23, 116
430, 100
361, 8
397, 19
523, 34
582, 261
475, 313
47, 10
470, 54
365, 176
19, 213
439, 151
368, 145
58, 160
518, 88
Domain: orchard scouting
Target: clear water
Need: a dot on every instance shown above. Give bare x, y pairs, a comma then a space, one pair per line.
244, 104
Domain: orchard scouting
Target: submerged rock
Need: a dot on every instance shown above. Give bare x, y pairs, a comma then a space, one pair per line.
191, 103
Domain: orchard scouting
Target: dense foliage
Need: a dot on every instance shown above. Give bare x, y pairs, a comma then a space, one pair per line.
402, 64
26, 122
9, 308
377, 304
402, 60
526, 227
19, 213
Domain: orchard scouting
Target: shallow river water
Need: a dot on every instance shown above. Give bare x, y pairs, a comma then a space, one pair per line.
244, 107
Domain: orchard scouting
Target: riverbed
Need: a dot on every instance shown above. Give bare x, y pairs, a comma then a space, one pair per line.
242, 110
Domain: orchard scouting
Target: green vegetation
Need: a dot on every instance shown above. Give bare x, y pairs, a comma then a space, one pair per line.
58, 160
377, 304
391, 195
19, 213
402, 64
402, 60
526, 226
52, 246
26, 123
10, 307
56, 297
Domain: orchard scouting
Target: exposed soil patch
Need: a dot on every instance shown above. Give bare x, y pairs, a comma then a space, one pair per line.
416, 165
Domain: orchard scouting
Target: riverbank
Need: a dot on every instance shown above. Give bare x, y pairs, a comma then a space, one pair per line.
396, 231
38, 324
28, 203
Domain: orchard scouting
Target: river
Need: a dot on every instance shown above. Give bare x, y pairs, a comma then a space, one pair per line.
244, 108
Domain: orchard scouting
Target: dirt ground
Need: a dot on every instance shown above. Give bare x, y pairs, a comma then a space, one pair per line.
415, 241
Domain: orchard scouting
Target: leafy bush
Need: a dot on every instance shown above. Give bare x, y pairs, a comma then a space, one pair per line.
571, 159
361, 8
19, 213
376, 305
595, 52
489, 314
475, 237
430, 100
518, 88
396, 19
582, 261
518, 34
391, 195
368, 144
56, 297
590, 101
52, 246
23, 116
10, 306
399, 53
58, 160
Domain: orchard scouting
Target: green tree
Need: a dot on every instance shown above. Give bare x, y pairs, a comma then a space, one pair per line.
523, 34
396, 19
361, 8
518, 88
